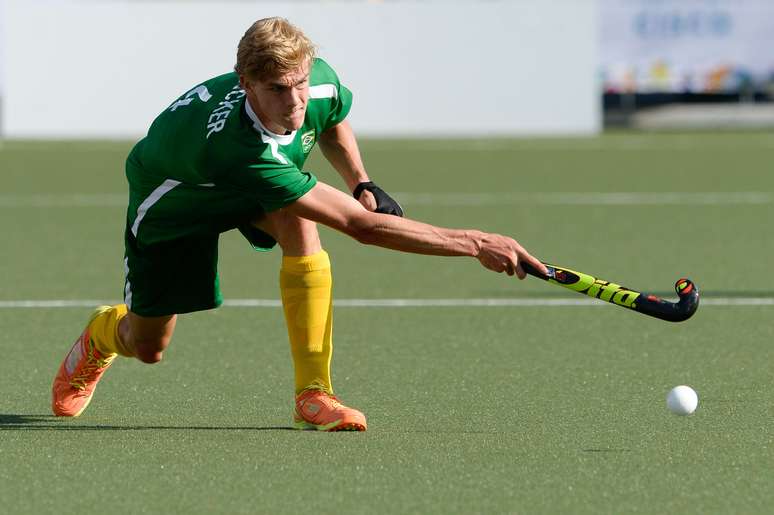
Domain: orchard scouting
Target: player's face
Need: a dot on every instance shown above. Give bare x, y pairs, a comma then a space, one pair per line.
280, 102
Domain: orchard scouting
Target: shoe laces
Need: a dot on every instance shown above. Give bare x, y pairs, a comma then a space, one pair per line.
335, 402
327, 398
92, 367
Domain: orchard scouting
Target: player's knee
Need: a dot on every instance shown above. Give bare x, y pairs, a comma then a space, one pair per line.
149, 357
295, 229
150, 351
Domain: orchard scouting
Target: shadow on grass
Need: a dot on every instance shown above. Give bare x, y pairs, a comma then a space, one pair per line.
11, 422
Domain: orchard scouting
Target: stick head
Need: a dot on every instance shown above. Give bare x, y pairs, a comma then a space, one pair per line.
685, 286
688, 293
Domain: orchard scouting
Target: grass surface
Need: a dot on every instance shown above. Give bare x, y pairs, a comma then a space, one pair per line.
471, 409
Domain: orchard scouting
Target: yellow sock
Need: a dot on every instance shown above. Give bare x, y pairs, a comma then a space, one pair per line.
305, 284
104, 331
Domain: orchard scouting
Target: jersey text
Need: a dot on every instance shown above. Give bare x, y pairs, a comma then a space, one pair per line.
217, 119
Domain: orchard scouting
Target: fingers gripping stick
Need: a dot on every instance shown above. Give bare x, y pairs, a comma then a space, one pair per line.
645, 303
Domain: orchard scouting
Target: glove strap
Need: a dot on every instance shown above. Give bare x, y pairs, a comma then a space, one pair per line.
360, 187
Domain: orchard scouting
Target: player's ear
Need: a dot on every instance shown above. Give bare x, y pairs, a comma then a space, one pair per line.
244, 83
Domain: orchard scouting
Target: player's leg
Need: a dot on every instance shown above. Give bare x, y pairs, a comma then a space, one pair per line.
161, 280
87, 360
145, 338
110, 332
306, 286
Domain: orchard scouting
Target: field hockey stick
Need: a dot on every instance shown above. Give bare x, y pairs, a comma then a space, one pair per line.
645, 303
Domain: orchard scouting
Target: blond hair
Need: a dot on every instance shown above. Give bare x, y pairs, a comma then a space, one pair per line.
272, 47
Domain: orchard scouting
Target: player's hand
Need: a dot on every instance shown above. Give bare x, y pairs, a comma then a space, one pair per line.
502, 254
373, 198
368, 201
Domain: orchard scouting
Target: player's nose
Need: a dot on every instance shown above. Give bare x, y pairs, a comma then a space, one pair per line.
293, 96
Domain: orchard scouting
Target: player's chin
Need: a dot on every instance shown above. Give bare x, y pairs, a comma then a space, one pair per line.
295, 121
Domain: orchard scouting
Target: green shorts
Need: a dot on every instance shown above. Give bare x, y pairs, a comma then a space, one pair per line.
178, 276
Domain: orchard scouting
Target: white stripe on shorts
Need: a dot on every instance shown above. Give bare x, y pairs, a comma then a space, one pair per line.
128, 285
154, 197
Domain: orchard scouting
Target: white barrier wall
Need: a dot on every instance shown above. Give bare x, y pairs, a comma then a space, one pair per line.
105, 69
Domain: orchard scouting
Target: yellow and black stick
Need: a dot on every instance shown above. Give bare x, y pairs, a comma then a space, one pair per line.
645, 303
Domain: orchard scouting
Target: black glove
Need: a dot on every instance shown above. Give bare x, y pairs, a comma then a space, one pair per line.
384, 203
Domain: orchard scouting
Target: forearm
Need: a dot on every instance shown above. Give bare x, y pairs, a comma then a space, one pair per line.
328, 206
416, 237
340, 148
331, 207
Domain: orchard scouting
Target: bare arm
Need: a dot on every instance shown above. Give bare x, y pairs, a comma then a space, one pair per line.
340, 148
331, 207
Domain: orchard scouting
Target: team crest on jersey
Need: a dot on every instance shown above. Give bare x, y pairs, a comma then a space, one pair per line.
307, 141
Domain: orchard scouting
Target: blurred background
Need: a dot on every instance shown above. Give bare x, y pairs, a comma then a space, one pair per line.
105, 69
687, 64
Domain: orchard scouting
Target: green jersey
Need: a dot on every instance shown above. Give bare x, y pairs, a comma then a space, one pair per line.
208, 164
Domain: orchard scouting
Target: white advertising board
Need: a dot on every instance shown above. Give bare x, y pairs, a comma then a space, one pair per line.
687, 45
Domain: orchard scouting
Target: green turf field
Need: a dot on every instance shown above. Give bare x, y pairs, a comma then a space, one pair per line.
472, 409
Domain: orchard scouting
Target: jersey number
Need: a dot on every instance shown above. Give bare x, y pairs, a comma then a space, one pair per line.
199, 91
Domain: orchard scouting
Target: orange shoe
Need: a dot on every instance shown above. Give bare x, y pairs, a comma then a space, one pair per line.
316, 409
79, 373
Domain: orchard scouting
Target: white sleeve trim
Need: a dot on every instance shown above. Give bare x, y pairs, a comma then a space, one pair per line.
323, 91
